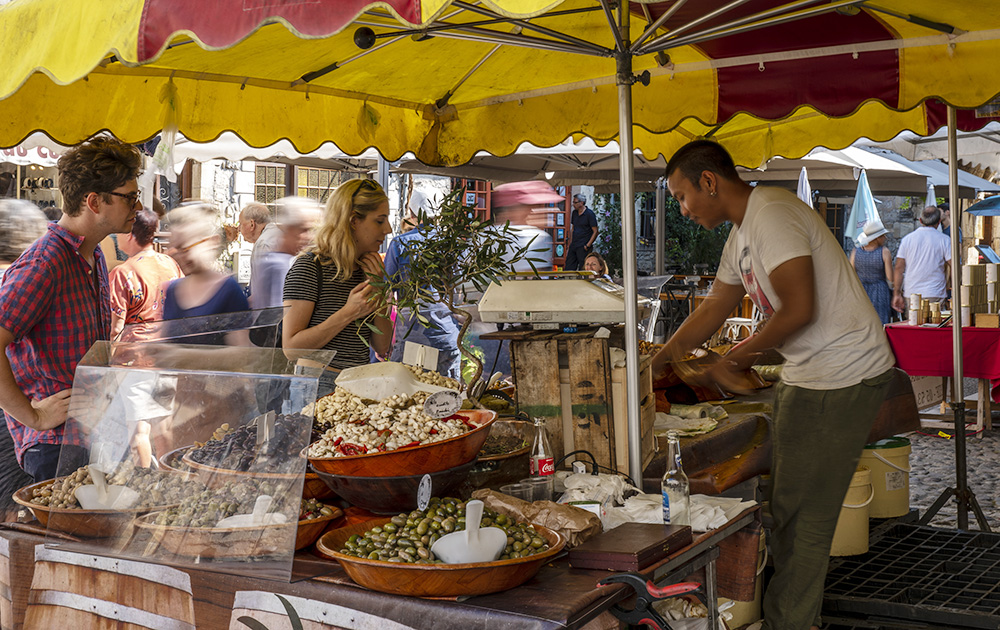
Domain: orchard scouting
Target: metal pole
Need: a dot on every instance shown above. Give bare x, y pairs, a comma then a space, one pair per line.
957, 385
624, 81
661, 236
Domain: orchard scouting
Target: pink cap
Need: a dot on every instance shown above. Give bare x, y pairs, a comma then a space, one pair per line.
530, 193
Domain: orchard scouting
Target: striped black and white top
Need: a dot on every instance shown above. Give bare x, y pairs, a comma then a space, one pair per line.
301, 284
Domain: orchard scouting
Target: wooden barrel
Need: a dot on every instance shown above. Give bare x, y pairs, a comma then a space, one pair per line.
315, 615
74, 590
6, 595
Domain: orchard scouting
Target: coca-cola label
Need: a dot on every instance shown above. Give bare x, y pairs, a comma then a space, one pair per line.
541, 466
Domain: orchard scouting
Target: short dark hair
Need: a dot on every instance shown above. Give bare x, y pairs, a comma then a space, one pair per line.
98, 165
931, 216
699, 156
144, 228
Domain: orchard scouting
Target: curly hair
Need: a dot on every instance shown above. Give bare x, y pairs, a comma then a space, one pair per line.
335, 236
98, 165
21, 223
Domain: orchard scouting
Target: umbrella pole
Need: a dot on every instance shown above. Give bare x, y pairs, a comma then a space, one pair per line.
624, 79
661, 228
962, 493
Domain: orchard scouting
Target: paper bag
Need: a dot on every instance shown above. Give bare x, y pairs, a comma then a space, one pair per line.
576, 524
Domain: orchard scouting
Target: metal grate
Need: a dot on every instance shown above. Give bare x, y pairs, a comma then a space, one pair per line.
923, 574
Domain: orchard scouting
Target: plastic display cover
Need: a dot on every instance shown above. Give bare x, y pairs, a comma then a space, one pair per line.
201, 447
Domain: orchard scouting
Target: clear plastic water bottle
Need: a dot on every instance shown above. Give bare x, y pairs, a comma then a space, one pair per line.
675, 488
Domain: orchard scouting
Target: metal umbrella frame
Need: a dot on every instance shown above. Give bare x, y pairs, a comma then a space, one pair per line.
716, 68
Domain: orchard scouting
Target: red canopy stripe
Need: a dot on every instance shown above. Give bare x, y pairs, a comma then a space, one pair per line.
222, 23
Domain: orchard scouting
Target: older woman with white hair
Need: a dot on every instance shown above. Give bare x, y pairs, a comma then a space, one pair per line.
21, 223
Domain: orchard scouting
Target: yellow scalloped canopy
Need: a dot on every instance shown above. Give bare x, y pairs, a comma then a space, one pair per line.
285, 73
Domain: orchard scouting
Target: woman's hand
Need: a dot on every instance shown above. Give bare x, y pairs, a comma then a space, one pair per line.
360, 302
372, 264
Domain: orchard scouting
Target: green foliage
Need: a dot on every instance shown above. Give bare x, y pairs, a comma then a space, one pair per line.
457, 249
686, 244
609, 239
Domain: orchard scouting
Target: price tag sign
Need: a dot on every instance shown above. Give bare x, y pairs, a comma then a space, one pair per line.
442, 404
424, 492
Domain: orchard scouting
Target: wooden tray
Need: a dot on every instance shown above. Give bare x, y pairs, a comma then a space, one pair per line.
435, 580
79, 522
209, 542
417, 460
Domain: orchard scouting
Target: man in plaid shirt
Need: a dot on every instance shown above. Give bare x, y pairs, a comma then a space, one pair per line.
55, 303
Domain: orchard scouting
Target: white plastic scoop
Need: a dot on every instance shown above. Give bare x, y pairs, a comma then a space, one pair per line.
475, 544
101, 496
258, 518
378, 381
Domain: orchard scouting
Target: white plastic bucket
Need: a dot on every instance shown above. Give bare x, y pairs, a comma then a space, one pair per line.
889, 461
851, 535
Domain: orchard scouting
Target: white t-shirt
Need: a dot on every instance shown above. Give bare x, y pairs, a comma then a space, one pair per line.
925, 251
845, 343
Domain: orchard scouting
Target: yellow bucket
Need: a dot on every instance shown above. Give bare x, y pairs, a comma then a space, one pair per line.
851, 535
889, 461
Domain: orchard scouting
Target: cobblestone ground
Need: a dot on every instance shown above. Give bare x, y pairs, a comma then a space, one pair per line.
932, 465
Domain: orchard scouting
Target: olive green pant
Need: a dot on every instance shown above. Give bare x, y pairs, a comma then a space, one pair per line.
817, 437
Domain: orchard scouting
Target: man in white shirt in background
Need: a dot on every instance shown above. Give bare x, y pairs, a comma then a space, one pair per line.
923, 262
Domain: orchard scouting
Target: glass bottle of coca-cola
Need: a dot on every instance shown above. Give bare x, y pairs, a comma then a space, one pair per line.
542, 462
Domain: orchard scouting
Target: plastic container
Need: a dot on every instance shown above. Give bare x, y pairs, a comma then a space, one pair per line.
889, 461
851, 535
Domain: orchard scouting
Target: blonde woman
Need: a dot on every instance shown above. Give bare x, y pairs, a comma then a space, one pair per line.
327, 292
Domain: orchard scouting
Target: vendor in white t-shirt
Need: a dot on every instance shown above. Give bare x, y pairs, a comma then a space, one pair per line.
923, 262
838, 361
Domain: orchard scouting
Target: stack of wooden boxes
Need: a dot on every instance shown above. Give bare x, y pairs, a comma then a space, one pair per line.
979, 295
568, 380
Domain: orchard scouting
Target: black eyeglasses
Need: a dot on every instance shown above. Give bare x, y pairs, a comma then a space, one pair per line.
370, 184
132, 198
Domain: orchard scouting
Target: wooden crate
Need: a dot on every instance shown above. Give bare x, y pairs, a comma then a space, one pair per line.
567, 380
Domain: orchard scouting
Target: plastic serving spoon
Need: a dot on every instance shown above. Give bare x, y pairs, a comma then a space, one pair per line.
475, 544
101, 496
257, 518
378, 381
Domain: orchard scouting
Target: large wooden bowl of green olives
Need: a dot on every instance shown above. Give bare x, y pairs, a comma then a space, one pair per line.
392, 555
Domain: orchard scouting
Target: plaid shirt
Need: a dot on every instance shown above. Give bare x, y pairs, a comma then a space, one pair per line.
55, 309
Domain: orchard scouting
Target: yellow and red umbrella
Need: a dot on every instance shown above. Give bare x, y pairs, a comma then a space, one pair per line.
446, 78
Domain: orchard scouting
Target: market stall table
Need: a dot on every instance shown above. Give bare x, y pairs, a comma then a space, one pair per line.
927, 351
558, 597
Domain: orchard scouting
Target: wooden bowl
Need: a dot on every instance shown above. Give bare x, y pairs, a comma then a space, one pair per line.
309, 531
392, 495
312, 486
210, 542
417, 460
79, 522
435, 580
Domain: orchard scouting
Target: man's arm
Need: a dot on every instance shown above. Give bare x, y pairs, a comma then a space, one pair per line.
40, 415
898, 301
593, 237
702, 324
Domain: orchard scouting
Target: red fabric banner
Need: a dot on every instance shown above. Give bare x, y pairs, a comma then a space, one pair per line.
222, 23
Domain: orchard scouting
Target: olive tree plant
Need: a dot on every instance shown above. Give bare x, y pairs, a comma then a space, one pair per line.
457, 250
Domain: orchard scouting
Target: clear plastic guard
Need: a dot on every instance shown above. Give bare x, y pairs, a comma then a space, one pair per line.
200, 432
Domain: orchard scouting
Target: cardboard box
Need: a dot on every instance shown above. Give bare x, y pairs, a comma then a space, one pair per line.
928, 390
987, 320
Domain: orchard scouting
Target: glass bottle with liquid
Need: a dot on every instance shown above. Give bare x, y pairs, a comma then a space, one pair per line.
675, 488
